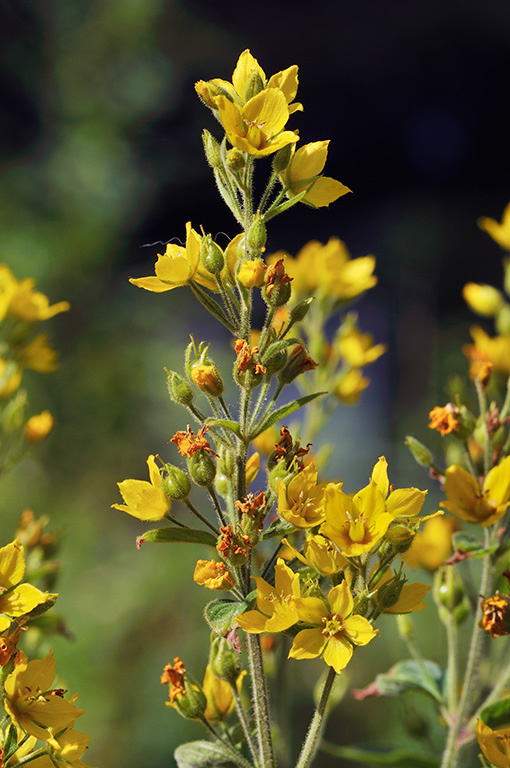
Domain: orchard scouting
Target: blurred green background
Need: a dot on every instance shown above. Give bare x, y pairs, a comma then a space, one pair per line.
101, 156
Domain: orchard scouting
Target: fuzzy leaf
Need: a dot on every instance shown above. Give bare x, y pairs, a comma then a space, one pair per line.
406, 676
396, 758
220, 614
278, 528
497, 715
233, 426
277, 346
174, 533
205, 754
283, 411
11, 742
468, 544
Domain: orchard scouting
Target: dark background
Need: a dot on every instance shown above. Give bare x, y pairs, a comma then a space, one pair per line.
101, 154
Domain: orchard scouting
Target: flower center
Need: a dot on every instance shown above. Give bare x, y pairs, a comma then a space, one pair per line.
333, 625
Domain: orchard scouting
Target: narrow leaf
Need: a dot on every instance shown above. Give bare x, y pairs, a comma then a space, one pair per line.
497, 715
468, 544
220, 614
405, 676
233, 426
283, 411
11, 742
397, 758
206, 754
173, 533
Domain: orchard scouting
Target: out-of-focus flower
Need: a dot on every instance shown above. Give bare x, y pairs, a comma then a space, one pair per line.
432, 545
303, 172
495, 744
38, 427
276, 611
144, 500
484, 505
16, 599
39, 355
488, 349
483, 299
500, 233
19, 300
350, 385
358, 348
334, 630
10, 378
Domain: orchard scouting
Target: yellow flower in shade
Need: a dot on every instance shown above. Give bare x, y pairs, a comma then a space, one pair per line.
178, 266
257, 127
407, 598
483, 299
7, 288
144, 500
500, 233
334, 630
488, 349
38, 427
30, 702
358, 348
39, 355
350, 385
16, 599
220, 700
23, 302
66, 751
301, 502
401, 502
495, 744
10, 378
276, 611
318, 553
303, 172
247, 79
432, 545
484, 505
213, 575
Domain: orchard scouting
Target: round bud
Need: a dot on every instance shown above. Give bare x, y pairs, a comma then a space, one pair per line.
212, 150
448, 589
202, 468
176, 483
192, 703
282, 158
300, 311
257, 235
420, 452
235, 160
223, 660
179, 389
278, 296
211, 255
208, 378
276, 362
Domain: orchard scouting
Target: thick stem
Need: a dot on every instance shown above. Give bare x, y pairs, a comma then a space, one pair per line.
452, 674
312, 741
260, 702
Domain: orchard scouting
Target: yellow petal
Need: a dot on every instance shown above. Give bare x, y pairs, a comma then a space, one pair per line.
311, 610
286, 81
307, 644
308, 161
338, 653
12, 564
252, 621
246, 66
153, 284
380, 475
359, 630
324, 191
410, 599
268, 110
497, 483
406, 502
495, 744
286, 581
340, 600
22, 599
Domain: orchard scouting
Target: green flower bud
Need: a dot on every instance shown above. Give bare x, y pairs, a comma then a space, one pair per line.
254, 85
279, 473
276, 362
202, 468
279, 295
13, 416
448, 588
221, 484
400, 537
300, 311
257, 235
192, 703
282, 158
503, 320
388, 594
225, 462
211, 255
461, 611
223, 660
179, 389
235, 160
176, 483
466, 423
212, 150
420, 452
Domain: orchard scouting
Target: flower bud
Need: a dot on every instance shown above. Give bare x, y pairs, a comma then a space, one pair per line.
192, 703
235, 160
503, 320
279, 295
483, 299
202, 469
211, 255
223, 660
222, 484
225, 462
254, 85
257, 235
276, 362
282, 158
176, 483
298, 362
279, 473
13, 414
212, 150
466, 423
400, 537
388, 593
420, 452
448, 588
208, 378
251, 273
300, 311
461, 611
179, 389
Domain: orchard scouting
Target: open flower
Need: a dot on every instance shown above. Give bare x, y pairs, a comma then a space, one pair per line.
488, 349
213, 575
16, 599
178, 266
334, 630
358, 348
303, 172
30, 702
320, 554
144, 500
65, 751
484, 505
19, 300
301, 502
500, 233
276, 610
495, 744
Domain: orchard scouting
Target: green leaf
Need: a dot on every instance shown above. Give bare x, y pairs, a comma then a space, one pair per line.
11, 742
497, 715
175, 533
465, 542
406, 676
220, 614
206, 754
277, 346
233, 426
278, 528
283, 411
396, 758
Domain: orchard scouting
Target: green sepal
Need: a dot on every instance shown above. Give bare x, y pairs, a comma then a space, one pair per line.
469, 545
220, 614
232, 426
206, 754
278, 528
10, 744
396, 758
277, 346
409, 675
283, 411
173, 533
497, 715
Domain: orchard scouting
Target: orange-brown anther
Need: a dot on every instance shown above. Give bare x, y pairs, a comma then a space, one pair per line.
276, 275
444, 419
290, 451
174, 675
245, 357
495, 617
188, 444
253, 506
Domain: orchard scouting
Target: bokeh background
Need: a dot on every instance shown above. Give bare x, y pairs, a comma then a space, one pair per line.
101, 155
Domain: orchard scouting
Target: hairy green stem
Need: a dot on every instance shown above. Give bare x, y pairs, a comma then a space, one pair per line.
260, 702
313, 737
241, 714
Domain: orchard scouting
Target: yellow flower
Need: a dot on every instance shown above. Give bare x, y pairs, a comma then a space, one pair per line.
212, 574
276, 611
432, 546
468, 501
500, 233
350, 385
66, 750
178, 266
220, 700
257, 127
303, 172
144, 500
483, 299
319, 554
495, 744
10, 378
31, 704
301, 502
251, 273
19, 300
401, 502
16, 599
334, 630
38, 427
39, 355
358, 348
488, 349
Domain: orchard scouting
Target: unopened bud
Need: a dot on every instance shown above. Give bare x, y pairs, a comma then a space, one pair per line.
275, 362
235, 160
251, 273
420, 452
299, 361
202, 469
212, 150
400, 537
192, 703
254, 85
405, 626
208, 378
388, 594
448, 588
179, 389
257, 235
13, 415
223, 660
211, 255
466, 423
300, 311
176, 483
282, 158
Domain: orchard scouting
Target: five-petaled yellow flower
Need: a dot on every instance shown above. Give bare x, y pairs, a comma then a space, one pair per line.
301, 502
334, 630
19, 300
358, 348
303, 172
178, 266
16, 599
144, 500
276, 609
484, 505
488, 349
